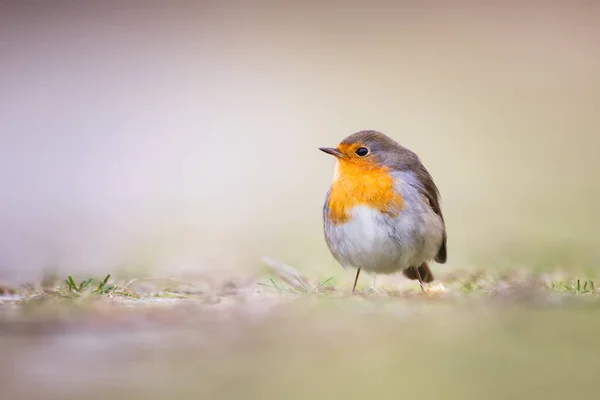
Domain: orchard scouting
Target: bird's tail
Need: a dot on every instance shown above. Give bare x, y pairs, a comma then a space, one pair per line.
423, 271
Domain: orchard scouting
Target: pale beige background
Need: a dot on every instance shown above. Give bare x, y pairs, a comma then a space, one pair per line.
182, 137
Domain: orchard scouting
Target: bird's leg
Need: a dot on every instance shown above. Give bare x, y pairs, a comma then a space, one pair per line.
420, 280
355, 280
374, 287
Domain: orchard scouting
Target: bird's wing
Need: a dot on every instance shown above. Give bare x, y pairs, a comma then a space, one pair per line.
428, 189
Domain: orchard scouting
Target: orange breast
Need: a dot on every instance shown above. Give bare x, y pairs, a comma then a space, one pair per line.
358, 183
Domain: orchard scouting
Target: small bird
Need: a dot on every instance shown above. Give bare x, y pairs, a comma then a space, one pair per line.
382, 212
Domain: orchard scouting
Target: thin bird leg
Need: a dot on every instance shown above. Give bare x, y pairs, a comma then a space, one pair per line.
374, 287
355, 280
420, 280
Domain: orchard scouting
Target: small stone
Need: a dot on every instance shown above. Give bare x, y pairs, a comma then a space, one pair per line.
436, 289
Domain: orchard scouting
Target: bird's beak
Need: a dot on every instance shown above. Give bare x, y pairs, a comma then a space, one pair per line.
332, 151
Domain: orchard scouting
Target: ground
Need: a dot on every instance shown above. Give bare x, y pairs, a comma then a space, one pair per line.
282, 335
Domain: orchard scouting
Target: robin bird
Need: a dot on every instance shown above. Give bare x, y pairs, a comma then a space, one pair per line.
382, 212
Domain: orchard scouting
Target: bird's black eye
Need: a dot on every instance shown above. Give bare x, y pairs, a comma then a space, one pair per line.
362, 151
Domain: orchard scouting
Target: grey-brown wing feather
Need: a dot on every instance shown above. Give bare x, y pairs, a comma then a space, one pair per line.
431, 192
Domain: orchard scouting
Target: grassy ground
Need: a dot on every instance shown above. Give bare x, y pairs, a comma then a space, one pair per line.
282, 335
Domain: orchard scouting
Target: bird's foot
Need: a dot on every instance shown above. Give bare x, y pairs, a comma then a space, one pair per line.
376, 291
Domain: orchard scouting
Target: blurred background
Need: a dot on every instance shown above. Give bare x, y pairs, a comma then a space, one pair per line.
175, 137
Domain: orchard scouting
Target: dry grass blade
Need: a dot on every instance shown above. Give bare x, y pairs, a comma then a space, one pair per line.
179, 282
290, 275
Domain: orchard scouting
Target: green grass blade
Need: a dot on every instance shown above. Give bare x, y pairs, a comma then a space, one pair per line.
72, 284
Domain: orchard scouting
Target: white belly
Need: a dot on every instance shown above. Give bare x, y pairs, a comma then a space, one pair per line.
379, 243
